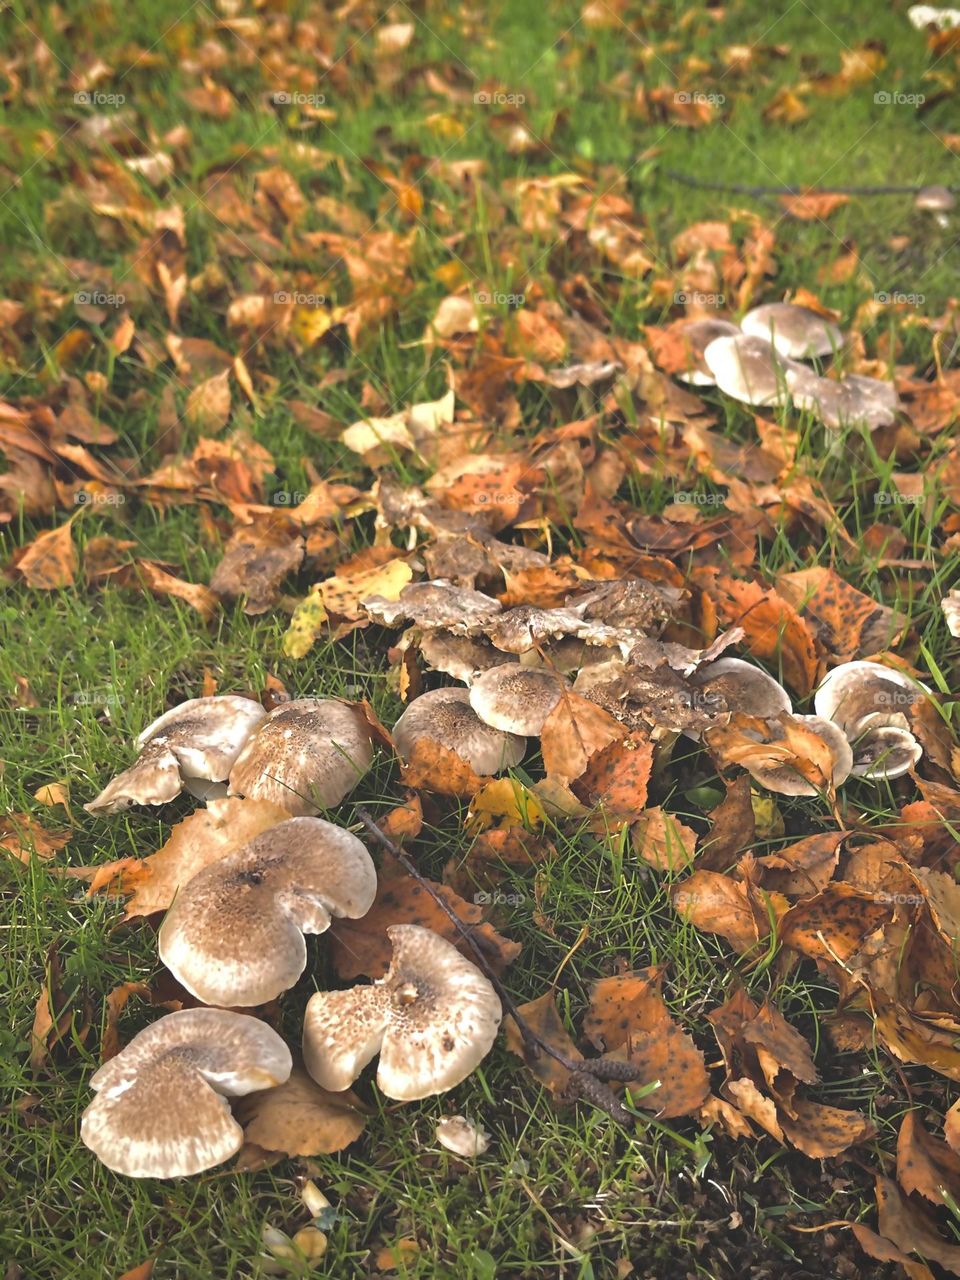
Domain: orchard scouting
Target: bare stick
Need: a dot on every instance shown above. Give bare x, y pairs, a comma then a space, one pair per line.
738, 188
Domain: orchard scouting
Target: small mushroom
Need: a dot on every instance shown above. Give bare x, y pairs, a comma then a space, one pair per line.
307, 756
782, 776
161, 1108
853, 399
870, 702
458, 1135
516, 699
749, 369
433, 1018
697, 336
234, 935
445, 716
799, 333
938, 200
192, 745
950, 604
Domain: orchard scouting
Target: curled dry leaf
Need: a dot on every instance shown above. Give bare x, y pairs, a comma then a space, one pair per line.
433, 767
23, 837
911, 1228
820, 1131
573, 733
925, 1164
542, 1017
617, 775
716, 903
49, 562
847, 623
774, 631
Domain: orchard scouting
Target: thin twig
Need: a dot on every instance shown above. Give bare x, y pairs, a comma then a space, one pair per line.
586, 1073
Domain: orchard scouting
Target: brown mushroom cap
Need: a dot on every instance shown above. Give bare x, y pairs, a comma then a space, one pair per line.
193, 744
161, 1109
516, 699
936, 198
234, 935
459, 656
855, 692
736, 685
446, 716
697, 336
799, 333
307, 756
749, 369
434, 604
433, 1018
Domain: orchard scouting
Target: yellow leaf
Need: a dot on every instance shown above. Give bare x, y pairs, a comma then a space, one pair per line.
305, 625
342, 596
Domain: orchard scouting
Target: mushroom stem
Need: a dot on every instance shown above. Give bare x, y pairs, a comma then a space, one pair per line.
594, 1070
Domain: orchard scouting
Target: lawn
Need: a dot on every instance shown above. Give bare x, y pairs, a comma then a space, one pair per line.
379, 125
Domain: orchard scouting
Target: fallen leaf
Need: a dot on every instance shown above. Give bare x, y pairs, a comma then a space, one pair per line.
617, 775
542, 1017
925, 1164
662, 840
50, 560
301, 1119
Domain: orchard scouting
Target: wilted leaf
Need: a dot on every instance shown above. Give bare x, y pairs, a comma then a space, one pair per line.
573, 733
662, 840
301, 1119
542, 1017
50, 561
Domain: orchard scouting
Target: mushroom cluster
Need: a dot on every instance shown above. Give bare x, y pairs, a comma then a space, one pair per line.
870, 704
305, 755
235, 936
761, 364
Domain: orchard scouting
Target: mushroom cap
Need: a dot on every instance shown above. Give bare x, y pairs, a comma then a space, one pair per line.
234, 935
434, 604
459, 656
950, 606
853, 399
799, 333
446, 716
161, 1109
206, 734
153, 778
749, 369
516, 699
433, 1017
458, 1135
884, 751
860, 695
697, 336
936, 197
742, 687
785, 780
306, 756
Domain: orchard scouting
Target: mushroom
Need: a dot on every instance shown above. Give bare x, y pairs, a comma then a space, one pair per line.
433, 1018
434, 604
730, 685
459, 656
853, 399
799, 333
234, 935
938, 200
950, 604
516, 699
445, 716
697, 336
161, 1109
787, 781
307, 756
192, 745
749, 369
458, 1135
869, 702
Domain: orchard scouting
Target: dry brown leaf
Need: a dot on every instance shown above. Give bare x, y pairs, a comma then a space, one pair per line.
717, 904
911, 1228
208, 404
301, 1119
847, 623
925, 1164
22, 836
50, 560
255, 562
434, 767
617, 775
573, 733
662, 840
820, 1131
161, 583
774, 630
542, 1017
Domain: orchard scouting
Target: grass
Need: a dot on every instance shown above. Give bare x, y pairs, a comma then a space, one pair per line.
563, 1193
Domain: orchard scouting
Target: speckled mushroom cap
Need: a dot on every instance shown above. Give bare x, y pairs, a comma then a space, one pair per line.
516, 699
696, 336
446, 716
936, 198
462, 657
307, 756
736, 685
433, 1018
797, 332
190, 745
748, 369
861, 695
234, 935
161, 1109
434, 604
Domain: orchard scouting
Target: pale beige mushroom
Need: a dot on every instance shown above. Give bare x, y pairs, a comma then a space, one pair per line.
161, 1108
458, 1135
234, 935
446, 717
307, 756
432, 1018
854, 399
938, 200
750, 370
797, 332
730, 684
870, 703
950, 604
462, 657
516, 699
193, 745
697, 336
434, 604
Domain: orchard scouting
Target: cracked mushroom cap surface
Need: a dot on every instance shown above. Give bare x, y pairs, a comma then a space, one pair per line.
749, 369
696, 336
797, 332
235, 933
433, 1018
161, 1107
446, 716
515, 698
306, 756
858, 695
